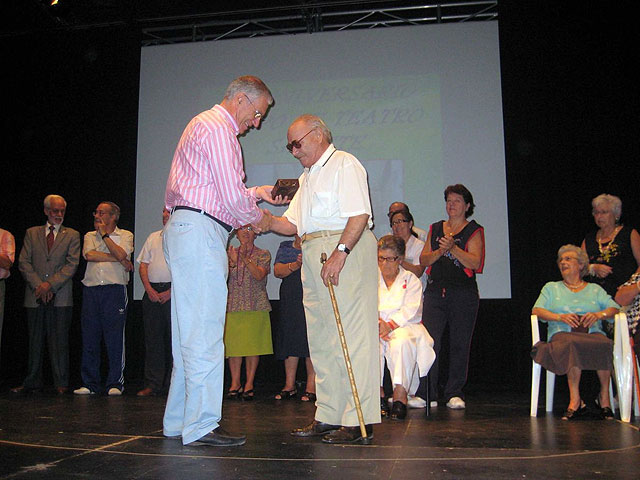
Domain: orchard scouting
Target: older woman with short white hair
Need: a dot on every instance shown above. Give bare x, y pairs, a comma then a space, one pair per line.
613, 249
574, 311
405, 344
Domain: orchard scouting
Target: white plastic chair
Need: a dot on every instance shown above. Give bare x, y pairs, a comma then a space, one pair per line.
624, 362
536, 369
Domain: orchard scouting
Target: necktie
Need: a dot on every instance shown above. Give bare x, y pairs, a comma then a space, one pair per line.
50, 238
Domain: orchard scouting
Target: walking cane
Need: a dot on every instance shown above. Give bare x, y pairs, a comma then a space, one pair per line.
347, 360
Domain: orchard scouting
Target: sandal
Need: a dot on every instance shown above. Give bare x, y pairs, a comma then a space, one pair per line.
234, 394
308, 397
607, 413
571, 414
286, 394
248, 395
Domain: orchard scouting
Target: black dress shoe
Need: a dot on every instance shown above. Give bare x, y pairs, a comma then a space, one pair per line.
220, 438
398, 411
314, 429
349, 435
384, 407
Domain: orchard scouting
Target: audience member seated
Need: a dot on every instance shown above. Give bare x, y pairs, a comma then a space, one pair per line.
396, 207
401, 223
247, 330
628, 296
291, 342
574, 311
404, 342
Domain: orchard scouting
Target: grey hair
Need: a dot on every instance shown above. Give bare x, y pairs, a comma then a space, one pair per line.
48, 198
251, 86
611, 201
392, 242
582, 257
314, 121
115, 209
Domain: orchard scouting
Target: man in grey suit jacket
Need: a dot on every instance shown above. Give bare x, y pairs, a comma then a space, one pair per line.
48, 260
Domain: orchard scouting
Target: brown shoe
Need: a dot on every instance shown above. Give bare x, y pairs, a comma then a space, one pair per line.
145, 392
349, 435
314, 429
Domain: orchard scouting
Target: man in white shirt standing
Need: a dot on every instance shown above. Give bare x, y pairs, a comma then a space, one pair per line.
107, 251
332, 214
156, 313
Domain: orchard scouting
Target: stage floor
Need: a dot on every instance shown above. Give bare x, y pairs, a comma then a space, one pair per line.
47, 436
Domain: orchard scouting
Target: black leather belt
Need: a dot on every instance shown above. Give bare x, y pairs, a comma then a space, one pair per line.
228, 228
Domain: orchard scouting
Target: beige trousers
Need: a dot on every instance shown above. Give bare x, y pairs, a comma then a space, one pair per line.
357, 297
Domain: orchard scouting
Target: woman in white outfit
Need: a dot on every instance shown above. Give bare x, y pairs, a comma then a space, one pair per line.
405, 344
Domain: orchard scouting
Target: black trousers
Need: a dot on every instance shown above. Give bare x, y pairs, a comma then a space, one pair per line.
457, 309
50, 323
158, 361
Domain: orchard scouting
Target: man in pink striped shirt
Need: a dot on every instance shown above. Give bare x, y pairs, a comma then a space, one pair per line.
207, 196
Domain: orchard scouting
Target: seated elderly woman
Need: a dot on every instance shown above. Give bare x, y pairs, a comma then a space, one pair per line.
574, 310
404, 342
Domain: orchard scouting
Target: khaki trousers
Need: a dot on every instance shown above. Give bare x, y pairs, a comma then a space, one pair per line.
357, 297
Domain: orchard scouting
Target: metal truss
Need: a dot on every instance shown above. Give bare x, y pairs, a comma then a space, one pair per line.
309, 18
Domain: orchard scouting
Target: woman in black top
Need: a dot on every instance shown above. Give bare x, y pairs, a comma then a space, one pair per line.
613, 249
453, 254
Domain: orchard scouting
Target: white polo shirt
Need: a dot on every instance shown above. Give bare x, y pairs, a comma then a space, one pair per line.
153, 255
106, 273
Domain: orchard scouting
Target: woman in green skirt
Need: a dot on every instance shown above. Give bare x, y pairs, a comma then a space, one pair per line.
247, 330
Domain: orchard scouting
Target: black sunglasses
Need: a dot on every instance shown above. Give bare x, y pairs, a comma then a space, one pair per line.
296, 143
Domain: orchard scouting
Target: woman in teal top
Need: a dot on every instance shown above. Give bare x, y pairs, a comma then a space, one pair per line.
574, 310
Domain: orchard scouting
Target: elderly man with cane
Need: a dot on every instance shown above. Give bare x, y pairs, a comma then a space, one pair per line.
332, 214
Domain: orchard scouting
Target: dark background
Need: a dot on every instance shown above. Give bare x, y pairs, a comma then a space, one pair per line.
69, 126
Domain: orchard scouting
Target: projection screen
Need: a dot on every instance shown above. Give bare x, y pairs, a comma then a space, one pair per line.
419, 106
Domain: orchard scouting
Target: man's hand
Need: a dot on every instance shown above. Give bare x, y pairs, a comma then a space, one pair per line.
164, 297
42, 290
101, 228
126, 263
264, 225
153, 295
264, 193
331, 269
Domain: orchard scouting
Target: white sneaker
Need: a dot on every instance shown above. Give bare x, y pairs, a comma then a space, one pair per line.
416, 402
113, 392
83, 391
456, 403
433, 403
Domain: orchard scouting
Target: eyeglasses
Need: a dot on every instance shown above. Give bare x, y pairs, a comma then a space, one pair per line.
387, 259
398, 222
256, 114
101, 213
248, 228
296, 143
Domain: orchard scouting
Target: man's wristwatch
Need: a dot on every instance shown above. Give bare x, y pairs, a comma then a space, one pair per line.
106, 235
343, 248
